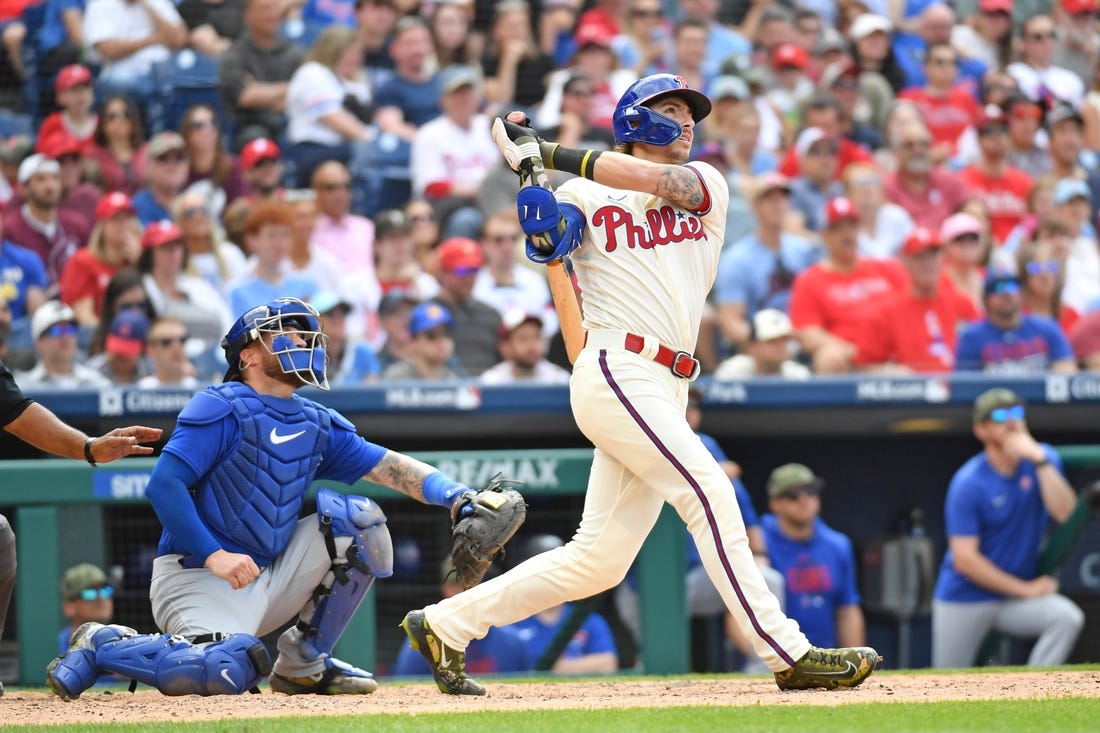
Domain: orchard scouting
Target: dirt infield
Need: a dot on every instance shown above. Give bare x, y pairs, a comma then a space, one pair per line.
119, 706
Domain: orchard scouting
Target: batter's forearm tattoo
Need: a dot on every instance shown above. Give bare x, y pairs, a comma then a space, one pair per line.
401, 473
681, 186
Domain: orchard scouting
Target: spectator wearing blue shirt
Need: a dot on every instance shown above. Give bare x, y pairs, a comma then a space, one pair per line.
1009, 342
934, 25
350, 362
816, 561
996, 514
591, 648
23, 280
501, 651
757, 271
166, 174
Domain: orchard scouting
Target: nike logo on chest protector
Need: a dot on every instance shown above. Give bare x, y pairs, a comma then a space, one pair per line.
277, 439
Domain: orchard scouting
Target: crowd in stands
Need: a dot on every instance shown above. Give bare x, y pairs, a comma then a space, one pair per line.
913, 183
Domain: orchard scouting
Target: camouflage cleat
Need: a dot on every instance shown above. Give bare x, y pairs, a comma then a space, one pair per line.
829, 669
332, 681
448, 666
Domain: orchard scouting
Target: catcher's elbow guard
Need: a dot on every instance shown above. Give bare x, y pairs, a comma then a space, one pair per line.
553, 230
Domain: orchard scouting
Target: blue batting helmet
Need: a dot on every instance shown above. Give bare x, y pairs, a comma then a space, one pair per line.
633, 120
280, 318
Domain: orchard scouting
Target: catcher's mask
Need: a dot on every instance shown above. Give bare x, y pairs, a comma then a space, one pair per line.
279, 320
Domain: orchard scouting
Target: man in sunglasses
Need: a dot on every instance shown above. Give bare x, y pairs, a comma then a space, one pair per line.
1010, 342
817, 562
53, 328
86, 595
997, 510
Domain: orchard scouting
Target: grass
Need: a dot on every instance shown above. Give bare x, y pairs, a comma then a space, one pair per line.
1064, 715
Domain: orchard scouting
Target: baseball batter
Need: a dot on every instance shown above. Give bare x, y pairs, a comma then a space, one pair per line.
644, 231
235, 562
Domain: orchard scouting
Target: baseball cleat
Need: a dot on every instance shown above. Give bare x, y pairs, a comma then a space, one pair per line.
333, 681
75, 671
829, 669
448, 665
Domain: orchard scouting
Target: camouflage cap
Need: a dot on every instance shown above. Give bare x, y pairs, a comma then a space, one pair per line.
991, 399
790, 476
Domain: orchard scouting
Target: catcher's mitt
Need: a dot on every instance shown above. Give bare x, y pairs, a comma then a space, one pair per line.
484, 520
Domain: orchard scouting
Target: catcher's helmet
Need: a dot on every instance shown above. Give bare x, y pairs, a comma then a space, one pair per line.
280, 318
633, 120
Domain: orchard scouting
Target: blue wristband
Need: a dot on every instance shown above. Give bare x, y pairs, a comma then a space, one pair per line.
441, 491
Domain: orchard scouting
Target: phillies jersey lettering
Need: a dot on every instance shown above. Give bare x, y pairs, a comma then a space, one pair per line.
664, 225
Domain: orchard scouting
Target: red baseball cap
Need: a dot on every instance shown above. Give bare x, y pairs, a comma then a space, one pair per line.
71, 76
113, 203
257, 150
593, 34
1076, 7
840, 209
991, 115
790, 55
920, 240
160, 232
61, 143
459, 254
994, 6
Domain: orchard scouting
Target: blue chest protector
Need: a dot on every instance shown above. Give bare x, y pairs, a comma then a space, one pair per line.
251, 501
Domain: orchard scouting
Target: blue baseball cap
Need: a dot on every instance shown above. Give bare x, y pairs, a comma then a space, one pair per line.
427, 316
1068, 189
1002, 282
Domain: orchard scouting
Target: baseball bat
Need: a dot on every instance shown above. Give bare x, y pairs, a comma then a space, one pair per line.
532, 173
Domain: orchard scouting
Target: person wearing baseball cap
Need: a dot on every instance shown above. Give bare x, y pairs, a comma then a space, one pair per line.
832, 301
768, 353
1009, 341
73, 91
350, 361
86, 595
998, 508
757, 270
122, 359
431, 347
262, 165
54, 330
115, 243
793, 86
523, 348
817, 182
800, 542
915, 330
166, 173
476, 323
1003, 188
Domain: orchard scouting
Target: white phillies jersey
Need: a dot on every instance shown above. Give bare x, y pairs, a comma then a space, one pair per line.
644, 264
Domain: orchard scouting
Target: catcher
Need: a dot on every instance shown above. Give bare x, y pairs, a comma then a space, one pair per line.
235, 562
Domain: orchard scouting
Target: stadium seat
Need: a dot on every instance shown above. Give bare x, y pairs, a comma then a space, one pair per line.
186, 78
34, 17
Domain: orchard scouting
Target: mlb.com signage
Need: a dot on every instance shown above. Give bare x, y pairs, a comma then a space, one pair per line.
563, 471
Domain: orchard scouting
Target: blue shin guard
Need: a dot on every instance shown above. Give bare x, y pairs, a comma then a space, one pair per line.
370, 556
229, 665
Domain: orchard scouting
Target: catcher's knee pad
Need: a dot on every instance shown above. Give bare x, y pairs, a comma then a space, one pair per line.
229, 665
370, 556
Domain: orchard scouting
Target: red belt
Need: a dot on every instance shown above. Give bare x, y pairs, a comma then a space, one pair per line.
680, 363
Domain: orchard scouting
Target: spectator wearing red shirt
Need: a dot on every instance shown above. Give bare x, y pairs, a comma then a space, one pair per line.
961, 264
947, 107
915, 329
1003, 188
823, 110
115, 243
73, 88
928, 193
832, 301
1041, 281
